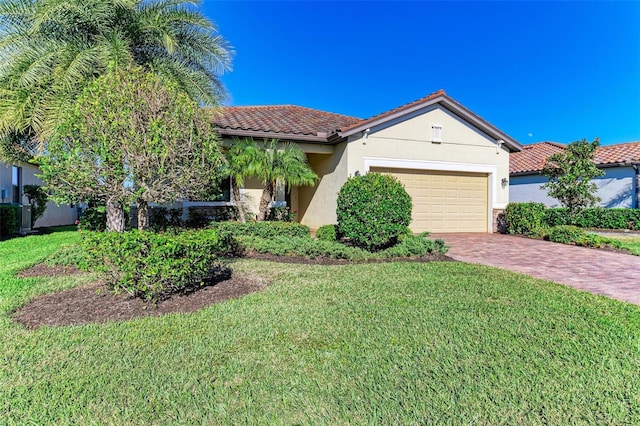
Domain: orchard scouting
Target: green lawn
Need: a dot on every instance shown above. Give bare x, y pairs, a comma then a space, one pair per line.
394, 343
631, 244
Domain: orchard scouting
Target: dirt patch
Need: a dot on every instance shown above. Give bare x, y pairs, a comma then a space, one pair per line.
326, 261
94, 303
44, 270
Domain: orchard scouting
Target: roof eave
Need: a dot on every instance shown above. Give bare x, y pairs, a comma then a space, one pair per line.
275, 135
450, 105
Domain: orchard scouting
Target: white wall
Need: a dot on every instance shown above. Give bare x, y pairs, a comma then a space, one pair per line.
54, 215
615, 188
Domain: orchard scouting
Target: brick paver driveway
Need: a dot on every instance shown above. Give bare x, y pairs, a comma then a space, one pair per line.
615, 275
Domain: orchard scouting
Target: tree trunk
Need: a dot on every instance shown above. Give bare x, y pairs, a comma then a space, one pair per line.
143, 214
115, 217
265, 200
236, 199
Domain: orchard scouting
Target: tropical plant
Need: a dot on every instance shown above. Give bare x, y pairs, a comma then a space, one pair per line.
275, 164
51, 49
132, 136
241, 158
570, 173
37, 197
284, 165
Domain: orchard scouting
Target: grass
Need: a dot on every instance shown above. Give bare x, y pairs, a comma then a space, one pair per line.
397, 343
631, 243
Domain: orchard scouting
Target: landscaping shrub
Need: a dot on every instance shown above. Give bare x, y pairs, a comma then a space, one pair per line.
524, 218
10, 219
373, 210
197, 218
280, 214
152, 266
264, 229
596, 217
93, 219
161, 218
38, 198
415, 246
327, 233
565, 234
411, 246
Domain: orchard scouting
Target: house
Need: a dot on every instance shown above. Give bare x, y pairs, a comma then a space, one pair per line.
617, 188
13, 178
454, 164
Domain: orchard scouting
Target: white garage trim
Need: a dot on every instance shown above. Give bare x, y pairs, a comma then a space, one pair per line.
491, 170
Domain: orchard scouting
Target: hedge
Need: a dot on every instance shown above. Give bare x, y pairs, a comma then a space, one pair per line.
526, 218
10, 219
265, 229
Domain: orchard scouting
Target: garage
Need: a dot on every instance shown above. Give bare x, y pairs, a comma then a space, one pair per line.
445, 201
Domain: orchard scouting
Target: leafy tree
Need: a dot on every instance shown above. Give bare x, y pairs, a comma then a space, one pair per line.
37, 197
132, 136
570, 173
51, 49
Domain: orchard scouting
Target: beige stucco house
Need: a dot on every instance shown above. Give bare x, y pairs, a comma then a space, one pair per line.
454, 164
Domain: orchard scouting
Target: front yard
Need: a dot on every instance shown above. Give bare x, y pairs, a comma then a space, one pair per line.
386, 343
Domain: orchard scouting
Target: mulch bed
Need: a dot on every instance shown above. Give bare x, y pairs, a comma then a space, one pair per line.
95, 303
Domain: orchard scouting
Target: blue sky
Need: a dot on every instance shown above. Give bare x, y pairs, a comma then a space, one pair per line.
558, 71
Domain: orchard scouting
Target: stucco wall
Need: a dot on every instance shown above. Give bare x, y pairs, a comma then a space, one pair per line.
615, 188
54, 215
316, 206
463, 148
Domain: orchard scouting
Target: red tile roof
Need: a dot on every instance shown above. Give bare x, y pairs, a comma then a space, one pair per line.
620, 153
286, 119
533, 157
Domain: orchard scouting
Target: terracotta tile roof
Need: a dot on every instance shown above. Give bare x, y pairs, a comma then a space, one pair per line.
533, 157
396, 110
285, 119
620, 153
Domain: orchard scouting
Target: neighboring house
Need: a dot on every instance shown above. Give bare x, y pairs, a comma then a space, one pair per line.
454, 164
617, 188
13, 177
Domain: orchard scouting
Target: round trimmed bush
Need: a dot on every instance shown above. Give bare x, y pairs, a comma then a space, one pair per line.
373, 210
327, 233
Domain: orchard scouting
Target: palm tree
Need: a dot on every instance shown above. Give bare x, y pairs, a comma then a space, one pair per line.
51, 49
242, 158
285, 165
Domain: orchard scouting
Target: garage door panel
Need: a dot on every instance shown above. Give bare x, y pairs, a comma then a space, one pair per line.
445, 201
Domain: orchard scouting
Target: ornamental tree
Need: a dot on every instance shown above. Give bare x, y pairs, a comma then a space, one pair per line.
132, 137
570, 173
50, 50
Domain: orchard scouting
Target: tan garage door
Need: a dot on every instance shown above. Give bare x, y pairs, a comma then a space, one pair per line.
445, 201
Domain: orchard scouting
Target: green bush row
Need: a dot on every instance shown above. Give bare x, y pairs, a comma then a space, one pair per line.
10, 219
152, 266
409, 246
596, 217
263, 229
528, 218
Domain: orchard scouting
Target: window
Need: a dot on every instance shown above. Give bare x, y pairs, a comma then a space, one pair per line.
223, 192
16, 183
436, 133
